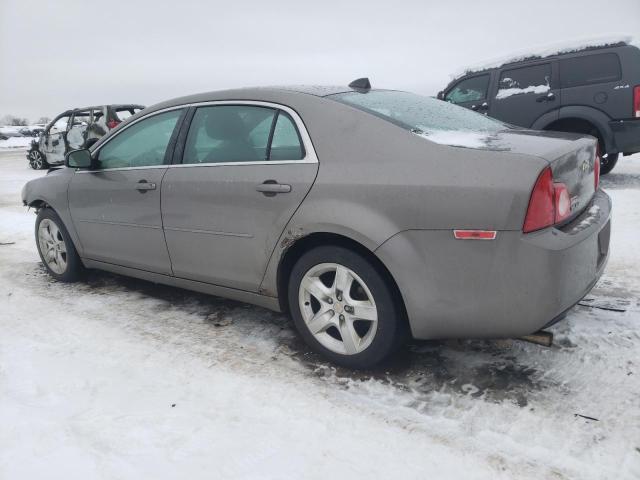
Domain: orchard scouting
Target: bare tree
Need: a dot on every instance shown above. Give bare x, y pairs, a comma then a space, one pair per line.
13, 121
44, 120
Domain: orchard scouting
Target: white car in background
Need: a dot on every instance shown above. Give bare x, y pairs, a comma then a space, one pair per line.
76, 129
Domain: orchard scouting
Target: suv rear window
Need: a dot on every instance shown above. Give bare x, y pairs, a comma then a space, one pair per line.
419, 114
589, 70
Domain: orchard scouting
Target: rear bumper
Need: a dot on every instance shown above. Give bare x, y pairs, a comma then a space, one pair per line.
626, 134
508, 287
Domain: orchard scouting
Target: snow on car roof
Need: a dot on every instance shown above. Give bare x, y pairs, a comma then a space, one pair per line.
549, 50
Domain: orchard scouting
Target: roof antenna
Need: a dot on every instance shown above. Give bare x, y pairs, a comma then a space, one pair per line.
361, 84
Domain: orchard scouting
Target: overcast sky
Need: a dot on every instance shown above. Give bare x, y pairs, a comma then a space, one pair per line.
58, 54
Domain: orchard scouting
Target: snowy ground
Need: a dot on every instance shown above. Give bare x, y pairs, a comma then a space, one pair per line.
119, 378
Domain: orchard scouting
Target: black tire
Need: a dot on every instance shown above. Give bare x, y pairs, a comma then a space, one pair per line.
73, 265
607, 163
37, 160
391, 331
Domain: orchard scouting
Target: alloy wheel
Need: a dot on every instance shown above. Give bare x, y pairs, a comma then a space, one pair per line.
338, 308
52, 246
36, 160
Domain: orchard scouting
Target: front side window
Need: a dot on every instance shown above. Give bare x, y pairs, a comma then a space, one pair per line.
241, 133
142, 144
590, 70
469, 90
519, 81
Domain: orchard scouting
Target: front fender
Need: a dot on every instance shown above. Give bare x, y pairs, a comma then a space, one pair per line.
51, 190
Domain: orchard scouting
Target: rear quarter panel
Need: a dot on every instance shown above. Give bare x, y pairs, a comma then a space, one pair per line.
376, 179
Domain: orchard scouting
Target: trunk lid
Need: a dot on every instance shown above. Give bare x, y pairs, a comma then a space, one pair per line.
571, 156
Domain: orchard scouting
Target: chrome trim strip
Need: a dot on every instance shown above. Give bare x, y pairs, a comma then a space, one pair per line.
122, 224
209, 232
310, 156
118, 169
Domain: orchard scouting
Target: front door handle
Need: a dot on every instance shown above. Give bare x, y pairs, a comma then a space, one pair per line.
142, 186
272, 187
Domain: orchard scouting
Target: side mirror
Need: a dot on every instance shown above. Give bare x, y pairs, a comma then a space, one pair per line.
441, 95
78, 159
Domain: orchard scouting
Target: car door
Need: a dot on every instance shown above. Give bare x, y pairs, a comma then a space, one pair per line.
526, 93
55, 139
245, 168
115, 207
471, 92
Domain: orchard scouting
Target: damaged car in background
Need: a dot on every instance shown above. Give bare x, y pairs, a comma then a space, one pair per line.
75, 129
370, 216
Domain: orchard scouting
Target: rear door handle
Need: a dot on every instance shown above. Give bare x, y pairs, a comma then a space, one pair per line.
142, 186
272, 187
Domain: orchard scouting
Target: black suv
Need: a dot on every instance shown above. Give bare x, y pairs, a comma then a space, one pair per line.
595, 90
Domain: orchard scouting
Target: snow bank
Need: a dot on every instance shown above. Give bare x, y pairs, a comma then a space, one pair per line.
16, 142
509, 92
549, 50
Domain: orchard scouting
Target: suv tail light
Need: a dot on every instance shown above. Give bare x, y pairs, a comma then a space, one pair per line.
549, 204
112, 124
636, 101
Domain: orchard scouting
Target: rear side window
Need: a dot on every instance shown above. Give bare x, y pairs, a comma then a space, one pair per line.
286, 144
469, 90
589, 70
518, 81
241, 133
228, 133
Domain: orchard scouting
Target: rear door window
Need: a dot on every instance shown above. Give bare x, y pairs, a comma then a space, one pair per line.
589, 70
469, 90
519, 81
229, 133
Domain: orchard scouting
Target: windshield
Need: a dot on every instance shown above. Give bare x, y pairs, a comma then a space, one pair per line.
422, 115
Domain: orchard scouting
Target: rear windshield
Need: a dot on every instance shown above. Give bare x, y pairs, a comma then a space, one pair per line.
420, 114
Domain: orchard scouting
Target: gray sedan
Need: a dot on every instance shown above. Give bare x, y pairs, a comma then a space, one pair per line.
368, 215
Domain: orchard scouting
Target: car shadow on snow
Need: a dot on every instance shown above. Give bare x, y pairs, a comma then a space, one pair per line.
615, 180
492, 370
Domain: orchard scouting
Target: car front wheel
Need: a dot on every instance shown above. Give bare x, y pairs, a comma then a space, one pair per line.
344, 307
37, 160
55, 247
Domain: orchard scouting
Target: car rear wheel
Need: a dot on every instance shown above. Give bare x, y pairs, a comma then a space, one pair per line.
37, 160
55, 247
344, 307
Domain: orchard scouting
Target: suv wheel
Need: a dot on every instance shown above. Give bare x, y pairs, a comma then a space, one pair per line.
344, 308
37, 160
56, 248
608, 162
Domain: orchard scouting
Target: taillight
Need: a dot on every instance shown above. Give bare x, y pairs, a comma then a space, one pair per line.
112, 124
636, 101
549, 203
596, 169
